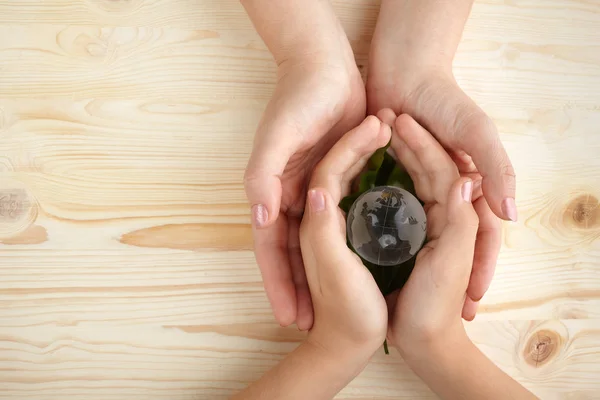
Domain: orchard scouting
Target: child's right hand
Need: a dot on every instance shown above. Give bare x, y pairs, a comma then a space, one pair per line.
425, 321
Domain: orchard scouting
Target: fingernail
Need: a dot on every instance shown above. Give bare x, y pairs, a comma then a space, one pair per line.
509, 208
467, 191
317, 200
260, 215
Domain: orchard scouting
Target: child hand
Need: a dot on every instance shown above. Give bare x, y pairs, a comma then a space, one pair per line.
434, 172
426, 313
349, 310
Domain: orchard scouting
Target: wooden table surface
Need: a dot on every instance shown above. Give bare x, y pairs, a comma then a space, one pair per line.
126, 268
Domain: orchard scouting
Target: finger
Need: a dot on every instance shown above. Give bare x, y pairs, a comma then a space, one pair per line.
271, 252
463, 161
477, 192
457, 122
349, 155
262, 178
392, 300
387, 116
478, 136
263, 189
304, 310
469, 309
322, 241
436, 221
405, 156
487, 248
452, 257
435, 161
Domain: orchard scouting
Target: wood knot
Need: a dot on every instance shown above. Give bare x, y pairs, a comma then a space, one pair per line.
541, 348
18, 209
582, 212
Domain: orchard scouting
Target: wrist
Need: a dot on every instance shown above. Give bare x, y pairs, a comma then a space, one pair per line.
352, 358
421, 34
331, 369
298, 32
442, 349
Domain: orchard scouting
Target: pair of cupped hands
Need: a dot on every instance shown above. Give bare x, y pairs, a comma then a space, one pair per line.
313, 140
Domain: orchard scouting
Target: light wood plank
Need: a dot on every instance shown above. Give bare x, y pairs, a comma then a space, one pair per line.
212, 362
125, 250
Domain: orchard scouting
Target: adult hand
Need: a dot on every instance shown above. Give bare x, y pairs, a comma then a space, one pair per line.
410, 71
350, 311
318, 97
435, 100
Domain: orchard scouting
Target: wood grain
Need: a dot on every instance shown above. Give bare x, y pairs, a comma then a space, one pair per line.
125, 250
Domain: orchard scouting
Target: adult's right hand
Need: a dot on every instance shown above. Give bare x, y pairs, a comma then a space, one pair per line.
410, 72
318, 98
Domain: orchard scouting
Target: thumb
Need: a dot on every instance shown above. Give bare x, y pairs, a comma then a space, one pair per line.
322, 238
479, 138
454, 250
457, 122
262, 180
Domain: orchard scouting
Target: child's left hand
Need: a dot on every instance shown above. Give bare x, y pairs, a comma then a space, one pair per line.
350, 311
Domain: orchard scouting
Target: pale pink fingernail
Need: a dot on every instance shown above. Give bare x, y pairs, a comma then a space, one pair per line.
467, 191
260, 215
509, 208
317, 200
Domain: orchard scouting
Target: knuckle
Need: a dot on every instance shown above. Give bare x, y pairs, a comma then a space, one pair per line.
508, 172
321, 176
471, 219
509, 177
250, 178
312, 230
443, 175
472, 121
466, 218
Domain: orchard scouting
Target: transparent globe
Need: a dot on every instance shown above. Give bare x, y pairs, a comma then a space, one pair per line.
386, 225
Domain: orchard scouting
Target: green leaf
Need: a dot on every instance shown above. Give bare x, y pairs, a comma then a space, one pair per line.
367, 181
376, 159
385, 170
400, 178
347, 201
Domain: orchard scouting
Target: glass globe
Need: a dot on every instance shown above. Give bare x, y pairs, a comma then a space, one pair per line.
386, 225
